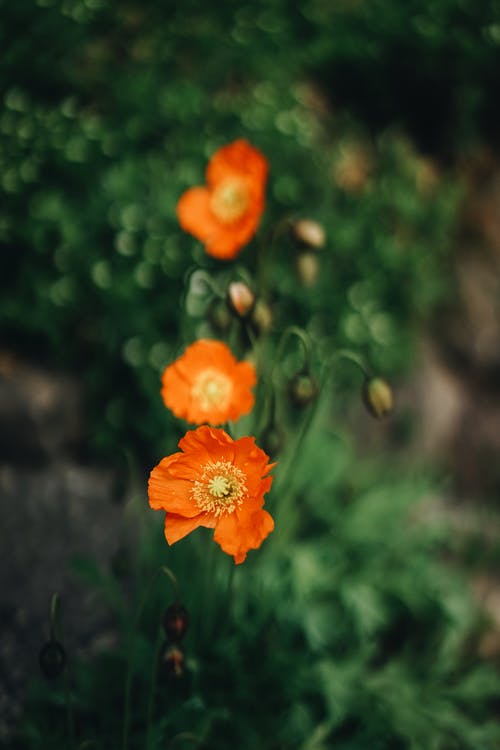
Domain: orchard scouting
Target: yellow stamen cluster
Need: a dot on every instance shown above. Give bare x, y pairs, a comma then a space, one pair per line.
230, 200
211, 389
221, 488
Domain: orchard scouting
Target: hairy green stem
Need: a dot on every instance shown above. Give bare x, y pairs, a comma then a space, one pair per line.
152, 685
128, 676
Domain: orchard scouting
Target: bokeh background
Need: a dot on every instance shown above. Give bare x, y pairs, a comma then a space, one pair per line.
381, 121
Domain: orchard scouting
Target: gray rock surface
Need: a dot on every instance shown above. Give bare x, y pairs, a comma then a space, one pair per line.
53, 509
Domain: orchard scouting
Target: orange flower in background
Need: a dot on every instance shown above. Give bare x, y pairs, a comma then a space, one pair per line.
207, 384
215, 482
225, 213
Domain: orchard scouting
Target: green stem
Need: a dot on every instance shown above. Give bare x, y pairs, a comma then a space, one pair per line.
351, 357
128, 676
253, 341
70, 719
265, 247
269, 388
152, 685
286, 471
208, 592
57, 634
207, 280
285, 478
229, 591
303, 338
55, 614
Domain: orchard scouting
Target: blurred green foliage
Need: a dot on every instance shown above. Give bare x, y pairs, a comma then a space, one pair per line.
345, 630
119, 115
360, 638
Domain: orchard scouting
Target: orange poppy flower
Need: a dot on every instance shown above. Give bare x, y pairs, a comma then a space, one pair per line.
215, 482
225, 214
207, 384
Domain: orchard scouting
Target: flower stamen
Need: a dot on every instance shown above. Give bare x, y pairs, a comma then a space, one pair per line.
230, 200
221, 488
211, 388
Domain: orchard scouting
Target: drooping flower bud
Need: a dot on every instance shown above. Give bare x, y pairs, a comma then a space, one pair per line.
173, 660
307, 268
272, 440
377, 397
219, 316
352, 170
176, 622
52, 659
309, 233
240, 298
302, 389
262, 316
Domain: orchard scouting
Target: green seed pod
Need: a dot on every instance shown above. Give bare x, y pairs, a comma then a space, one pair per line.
308, 233
262, 316
307, 267
377, 397
272, 440
176, 622
302, 389
220, 316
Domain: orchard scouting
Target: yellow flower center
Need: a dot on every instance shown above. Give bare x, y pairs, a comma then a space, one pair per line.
221, 488
211, 389
230, 200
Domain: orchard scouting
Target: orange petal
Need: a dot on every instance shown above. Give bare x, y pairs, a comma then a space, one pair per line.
194, 214
238, 532
167, 492
175, 391
225, 242
206, 440
177, 527
180, 377
239, 157
221, 241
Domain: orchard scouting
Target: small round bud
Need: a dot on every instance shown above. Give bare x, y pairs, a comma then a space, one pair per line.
240, 298
352, 170
302, 389
52, 659
176, 622
173, 660
307, 268
262, 316
426, 176
377, 396
219, 315
309, 233
272, 440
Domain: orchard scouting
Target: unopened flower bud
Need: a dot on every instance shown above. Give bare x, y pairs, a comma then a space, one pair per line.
377, 396
426, 176
173, 660
302, 389
219, 315
240, 298
262, 316
309, 233
272, 440
307, 268
176, 622
52, 659
352, 170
